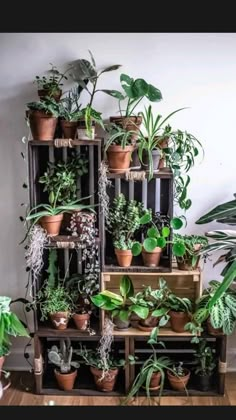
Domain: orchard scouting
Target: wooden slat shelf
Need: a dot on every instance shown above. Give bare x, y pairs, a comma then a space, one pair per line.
68, 241
75, 142
140, 270
164, 332
156, 174
47, 332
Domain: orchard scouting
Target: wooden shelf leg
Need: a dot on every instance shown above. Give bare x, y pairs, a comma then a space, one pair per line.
127, 367
222, 367
38, 365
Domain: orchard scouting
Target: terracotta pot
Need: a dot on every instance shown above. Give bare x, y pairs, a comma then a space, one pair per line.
82, 132
119, 158
69, 128
155, 381
186, 264
124, 258
60, 320
2, 360
152, 259
155, 160
108, 382
178, 320
150, 322
128, 123
119, 324
163, 144
65, 380
179, 384
213, 331
81, 321
52, 224
42, 93
43, 126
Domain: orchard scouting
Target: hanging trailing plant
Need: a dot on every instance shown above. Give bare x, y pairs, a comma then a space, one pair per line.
34, 253
103, 184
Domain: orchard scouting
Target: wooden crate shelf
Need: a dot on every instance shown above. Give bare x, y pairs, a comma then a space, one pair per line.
135, 332
67, 241
76, 142
165, 174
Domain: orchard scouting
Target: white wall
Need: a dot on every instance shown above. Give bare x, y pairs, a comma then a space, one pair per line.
194, 70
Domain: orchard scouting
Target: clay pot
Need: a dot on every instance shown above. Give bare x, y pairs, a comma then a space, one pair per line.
155, 381
213, 331
52, 224
186, 264
43, 126
59, 320
155, 160
119, 324
124, 257
65, 380
128, 123
81, 321
56, 94
163, 144
2, 360
69, 128
149, 322
108, 382
152, 259
82, 132
119, 158
178, 320
178, 383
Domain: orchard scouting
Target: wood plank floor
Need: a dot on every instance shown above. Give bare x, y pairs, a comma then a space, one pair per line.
21, 393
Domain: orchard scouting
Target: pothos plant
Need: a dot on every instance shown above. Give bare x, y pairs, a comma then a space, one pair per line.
85, 72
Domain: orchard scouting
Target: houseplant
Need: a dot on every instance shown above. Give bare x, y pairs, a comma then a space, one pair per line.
104, 376
84, 72
43, 116
119, 148
180, 309
186, 249
206, 363
62, 358
69, 112
178, 377
51, 86
124, 219
10, 325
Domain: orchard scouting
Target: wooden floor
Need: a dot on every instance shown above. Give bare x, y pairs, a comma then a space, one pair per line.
21, 393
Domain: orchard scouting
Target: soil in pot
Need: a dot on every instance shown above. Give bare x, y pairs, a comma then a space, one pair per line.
203, 382
69, 128
82, 131
213, 331
178, 383
155, 160
178, 320
52, 224
119, 324
107, 383
152, 259
81, 321
119, 158
128, 123
124, 257
56, 94
43, 126
2, 360
66, 381
60, 320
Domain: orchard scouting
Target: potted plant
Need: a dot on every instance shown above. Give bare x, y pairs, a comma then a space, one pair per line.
85, 72
180, 310
10, 325
206, 363
82, 287
186, 250
62, 358
69, 112
119, 149
51, 86
43, 116
104, 376
125, 218
178, 377
53, 299
150, 139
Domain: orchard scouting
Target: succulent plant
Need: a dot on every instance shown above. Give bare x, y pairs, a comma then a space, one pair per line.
62, 357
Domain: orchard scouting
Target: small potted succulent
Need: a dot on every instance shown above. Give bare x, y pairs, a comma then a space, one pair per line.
43, 116
62, 358
206, 364
124, 219
186, 248
178, 377
180, 309
105, 375
51, 86
69, 112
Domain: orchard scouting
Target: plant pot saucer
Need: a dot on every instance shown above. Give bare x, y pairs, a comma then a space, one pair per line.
121, 329
144, 328
135, 168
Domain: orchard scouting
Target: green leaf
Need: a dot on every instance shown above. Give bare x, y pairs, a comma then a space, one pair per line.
160, 312
227, 281
216, 317
124, 315
112, 295
111, 68
153, 94
163, 321
179, 249
136, 249
98, 300
125, 78
150, 244
161, 242
153, 336
223, 210
139, 310
146, 218
153, 232
140, 88
126, 287
165, 231
51, 197
114, 93
176, 223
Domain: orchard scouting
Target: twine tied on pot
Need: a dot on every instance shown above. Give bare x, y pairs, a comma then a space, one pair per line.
135, 175
63, 142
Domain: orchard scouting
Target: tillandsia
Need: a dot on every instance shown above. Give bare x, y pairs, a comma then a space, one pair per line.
103, 184
105, 344
34, 253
